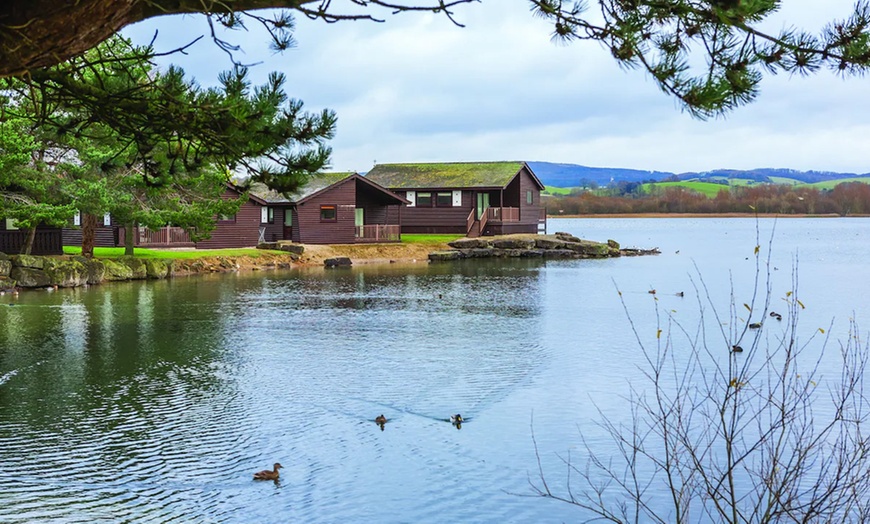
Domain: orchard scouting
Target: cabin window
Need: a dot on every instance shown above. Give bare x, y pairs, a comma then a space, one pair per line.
328, 214
457, 198
444, 199
107, 219
77, 218
288, 217
267, 215
412, 198
226, 218
424, 199
530, 198
10, 224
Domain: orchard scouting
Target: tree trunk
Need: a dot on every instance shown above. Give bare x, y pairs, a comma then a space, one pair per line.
27, 248
89, 234
129, 231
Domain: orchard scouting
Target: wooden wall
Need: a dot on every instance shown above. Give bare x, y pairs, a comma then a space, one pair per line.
243, 231
437, 219
307, 219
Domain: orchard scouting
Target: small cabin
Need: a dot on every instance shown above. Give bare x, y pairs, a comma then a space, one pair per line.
331, 208
468, 198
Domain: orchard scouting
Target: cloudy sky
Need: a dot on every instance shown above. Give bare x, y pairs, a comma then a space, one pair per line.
419, 89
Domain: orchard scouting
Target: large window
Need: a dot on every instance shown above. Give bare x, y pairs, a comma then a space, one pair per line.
328, 214
444, 199
288, 217
424, 199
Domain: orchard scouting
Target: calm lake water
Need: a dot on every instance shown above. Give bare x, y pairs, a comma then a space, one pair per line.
155, 401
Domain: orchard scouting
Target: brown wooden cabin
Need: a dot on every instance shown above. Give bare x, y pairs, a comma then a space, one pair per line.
48, 240
332, 208
468, 198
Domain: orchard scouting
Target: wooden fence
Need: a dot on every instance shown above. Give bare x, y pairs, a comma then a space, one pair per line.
46, 242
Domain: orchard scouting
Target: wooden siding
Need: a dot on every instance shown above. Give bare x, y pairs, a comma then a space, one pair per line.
435, 220
104, 236
244, 231
46, 242
312, 230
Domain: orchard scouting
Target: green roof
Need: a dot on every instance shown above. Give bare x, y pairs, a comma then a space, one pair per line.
446, 175
315, 183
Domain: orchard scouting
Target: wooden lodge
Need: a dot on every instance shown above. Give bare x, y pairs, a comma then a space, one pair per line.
332, 208
46, 242
472, 199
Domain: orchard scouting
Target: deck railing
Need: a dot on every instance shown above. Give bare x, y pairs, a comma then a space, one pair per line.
378, 233
469, 222
503, 214
164, 236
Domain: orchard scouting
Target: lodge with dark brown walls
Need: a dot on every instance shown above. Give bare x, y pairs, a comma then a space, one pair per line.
466, 198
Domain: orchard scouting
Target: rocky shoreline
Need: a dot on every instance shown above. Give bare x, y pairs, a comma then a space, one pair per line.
35, 272
559, 245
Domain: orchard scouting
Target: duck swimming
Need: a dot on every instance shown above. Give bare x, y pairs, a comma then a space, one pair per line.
381, 419
456, 419
268, 475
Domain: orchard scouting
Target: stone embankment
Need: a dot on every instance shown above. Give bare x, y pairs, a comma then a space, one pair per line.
26, 271
560, 245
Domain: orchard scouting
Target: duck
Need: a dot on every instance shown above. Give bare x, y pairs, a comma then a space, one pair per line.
681, 294
456, 419
652, 291
776, 315
755, 325
268, 475
736, 349
381, 419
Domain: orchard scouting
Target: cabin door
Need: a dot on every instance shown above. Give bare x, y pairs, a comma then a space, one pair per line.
359, 221
482, 204
288, 224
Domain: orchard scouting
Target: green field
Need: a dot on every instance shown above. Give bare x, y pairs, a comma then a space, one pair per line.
705, 188
561, 191
831, 183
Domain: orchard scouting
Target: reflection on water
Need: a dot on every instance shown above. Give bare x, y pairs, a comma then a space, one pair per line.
157, 401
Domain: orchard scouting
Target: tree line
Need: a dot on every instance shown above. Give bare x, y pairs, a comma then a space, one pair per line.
846, 199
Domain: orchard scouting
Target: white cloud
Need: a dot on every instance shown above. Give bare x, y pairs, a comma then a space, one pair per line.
418, 88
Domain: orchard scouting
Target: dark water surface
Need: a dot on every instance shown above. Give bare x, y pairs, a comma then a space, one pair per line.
155, 401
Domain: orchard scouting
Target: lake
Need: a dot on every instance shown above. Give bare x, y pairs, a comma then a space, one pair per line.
156, 401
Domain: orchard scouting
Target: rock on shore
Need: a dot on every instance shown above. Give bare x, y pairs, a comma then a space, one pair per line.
559, 245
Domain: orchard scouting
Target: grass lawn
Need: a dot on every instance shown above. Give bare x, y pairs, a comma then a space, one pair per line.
113, 252
428, 239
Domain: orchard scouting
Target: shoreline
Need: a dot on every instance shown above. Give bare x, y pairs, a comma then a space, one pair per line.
705, 215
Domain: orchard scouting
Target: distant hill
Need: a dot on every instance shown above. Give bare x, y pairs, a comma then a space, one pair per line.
573, 175
767, 175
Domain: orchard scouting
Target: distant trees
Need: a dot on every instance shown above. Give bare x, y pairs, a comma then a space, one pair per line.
851, 198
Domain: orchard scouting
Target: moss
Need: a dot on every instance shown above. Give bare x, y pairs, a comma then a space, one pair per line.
446, 175
158, 269
30, 261
66, 273
115, 270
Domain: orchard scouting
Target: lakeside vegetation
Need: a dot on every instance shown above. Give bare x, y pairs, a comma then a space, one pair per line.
850, 198
116, 252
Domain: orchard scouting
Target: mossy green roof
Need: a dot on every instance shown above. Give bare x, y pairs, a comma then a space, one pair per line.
445, 175
315, 183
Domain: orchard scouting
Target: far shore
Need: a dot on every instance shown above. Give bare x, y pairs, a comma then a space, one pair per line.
704, 215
